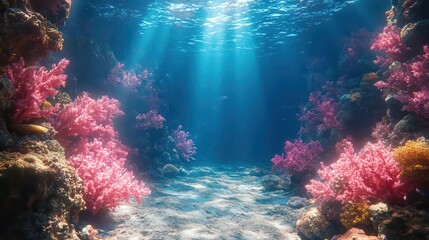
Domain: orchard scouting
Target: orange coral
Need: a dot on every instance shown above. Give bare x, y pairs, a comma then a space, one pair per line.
372, 76
413, 157
355, 215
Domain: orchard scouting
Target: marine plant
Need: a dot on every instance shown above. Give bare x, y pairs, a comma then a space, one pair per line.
413, 157
298, 158
32, 87
370, 175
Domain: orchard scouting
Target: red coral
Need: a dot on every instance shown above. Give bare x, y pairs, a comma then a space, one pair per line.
32, 87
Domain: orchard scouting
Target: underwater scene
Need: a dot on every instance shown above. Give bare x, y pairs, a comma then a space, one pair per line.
214, 119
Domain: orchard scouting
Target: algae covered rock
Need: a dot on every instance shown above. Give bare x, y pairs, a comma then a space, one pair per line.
40, 193
312, 224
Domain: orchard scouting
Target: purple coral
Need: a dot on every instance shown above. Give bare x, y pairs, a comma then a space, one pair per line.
320, 114
149, 120
184, 146
299, 157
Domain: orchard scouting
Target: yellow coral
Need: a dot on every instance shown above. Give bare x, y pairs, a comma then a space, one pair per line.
413, 157
372, 76
355, 215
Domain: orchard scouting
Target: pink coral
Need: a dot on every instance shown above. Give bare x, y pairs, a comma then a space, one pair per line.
150, 120
390, 45
409, 83
369, 176
101, 166
86, 117
184, 146
128, 79
85, 129
299, 157
321, 114
32, 86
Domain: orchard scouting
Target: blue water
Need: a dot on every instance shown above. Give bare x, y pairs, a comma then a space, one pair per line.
233, 72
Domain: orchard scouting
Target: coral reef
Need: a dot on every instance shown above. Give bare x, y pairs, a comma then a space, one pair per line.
40, 194
25, 33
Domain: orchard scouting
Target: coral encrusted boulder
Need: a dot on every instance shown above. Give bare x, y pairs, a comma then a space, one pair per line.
40, 193
25, 33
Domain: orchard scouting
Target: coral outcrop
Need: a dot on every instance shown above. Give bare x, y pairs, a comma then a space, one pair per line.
40, 193
28, 30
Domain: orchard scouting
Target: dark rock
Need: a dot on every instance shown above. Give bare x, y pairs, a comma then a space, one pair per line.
405, 223
379, 212
274, 182
416, 35
26, 34
394, 108
297, 202
170, 171
56, 11
40, 193
406, 11
312, 224
331, 210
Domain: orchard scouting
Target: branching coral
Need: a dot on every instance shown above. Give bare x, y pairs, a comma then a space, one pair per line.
184, 146
367, 176
299, 157
413, 157
32, 86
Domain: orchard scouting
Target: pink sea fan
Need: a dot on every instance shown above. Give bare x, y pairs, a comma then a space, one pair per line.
32, 86
101, 166
150, 120
86, 117
299, 157
368, 176
184, 146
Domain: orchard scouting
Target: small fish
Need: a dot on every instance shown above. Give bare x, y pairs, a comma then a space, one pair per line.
46, 105
223, 98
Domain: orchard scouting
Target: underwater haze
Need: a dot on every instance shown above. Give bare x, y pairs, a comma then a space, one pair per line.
234, 71
214, 119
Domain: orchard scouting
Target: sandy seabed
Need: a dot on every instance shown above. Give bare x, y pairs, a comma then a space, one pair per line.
205, 203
